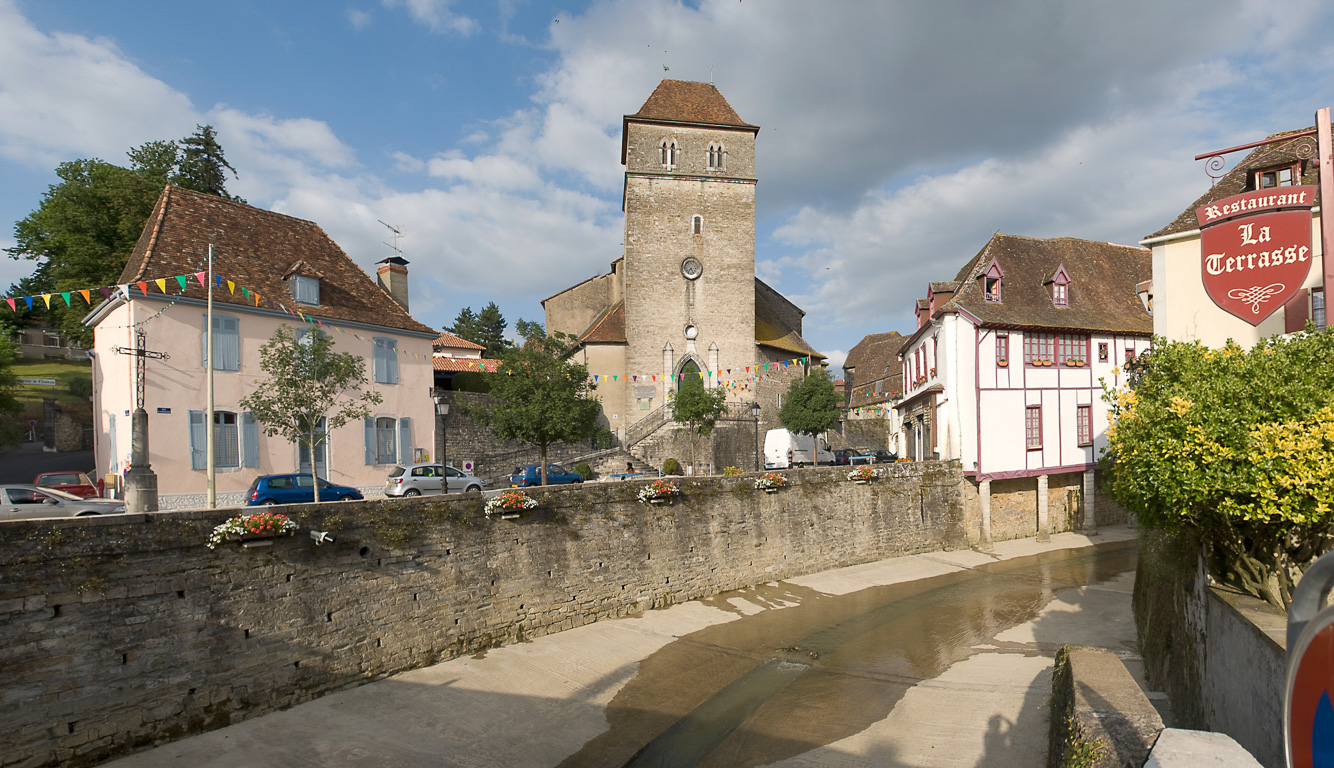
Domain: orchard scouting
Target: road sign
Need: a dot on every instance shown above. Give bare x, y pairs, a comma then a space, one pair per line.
1308, 707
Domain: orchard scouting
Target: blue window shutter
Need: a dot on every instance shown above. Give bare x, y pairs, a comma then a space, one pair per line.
249, 440
392, 356
198, 459
369, 425
404, 440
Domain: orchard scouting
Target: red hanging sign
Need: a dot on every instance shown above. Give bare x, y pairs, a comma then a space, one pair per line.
1255, 249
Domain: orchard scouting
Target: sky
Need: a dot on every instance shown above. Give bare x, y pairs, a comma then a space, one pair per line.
896, 137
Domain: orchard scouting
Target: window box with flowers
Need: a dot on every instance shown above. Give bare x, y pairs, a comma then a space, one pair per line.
658, 492
731, 471
932, 374
862, 475
770, 482
509, 504
253, 530
1002, 363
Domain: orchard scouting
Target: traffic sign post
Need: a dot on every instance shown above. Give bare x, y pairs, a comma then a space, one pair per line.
1308, 706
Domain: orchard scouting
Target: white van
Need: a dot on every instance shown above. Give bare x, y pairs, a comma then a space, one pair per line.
783, 449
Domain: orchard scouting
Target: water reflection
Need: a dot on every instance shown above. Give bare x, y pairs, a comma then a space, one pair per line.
780, 682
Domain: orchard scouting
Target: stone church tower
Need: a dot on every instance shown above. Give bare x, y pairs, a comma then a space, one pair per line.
683, 298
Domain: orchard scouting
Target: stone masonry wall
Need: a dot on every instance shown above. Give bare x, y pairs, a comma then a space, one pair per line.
121, 632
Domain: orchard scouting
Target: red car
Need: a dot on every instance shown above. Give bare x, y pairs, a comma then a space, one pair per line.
76, 483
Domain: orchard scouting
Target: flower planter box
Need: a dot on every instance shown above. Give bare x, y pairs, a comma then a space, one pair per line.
772, 490
861, 482
661, 500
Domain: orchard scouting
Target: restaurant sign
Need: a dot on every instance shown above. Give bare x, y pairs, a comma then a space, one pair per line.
1255, 249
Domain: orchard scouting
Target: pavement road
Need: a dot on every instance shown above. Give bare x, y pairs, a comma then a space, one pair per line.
27, 461
940, 659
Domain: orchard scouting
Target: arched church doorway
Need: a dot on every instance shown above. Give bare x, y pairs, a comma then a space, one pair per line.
688, 368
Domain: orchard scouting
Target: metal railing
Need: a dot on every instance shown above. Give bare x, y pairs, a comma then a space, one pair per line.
646, 426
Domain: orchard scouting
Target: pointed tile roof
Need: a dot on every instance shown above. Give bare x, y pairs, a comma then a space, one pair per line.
1236, 181
608, 327
446, 339
682, 101
256, 249
1103, 278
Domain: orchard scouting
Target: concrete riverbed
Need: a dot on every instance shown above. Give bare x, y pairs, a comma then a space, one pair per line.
939, 659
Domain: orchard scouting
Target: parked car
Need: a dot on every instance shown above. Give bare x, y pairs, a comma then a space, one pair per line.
76, 483
844, 455
527, 475
420, 479
295, 489
882, 456
22, 502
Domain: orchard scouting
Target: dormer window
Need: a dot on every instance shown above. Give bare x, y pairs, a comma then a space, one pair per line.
667, 152
1060, 287
1282, 176
716, 155
991, 283
306, 289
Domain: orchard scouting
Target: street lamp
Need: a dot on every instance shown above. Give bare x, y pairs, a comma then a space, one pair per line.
755, 412
441, 411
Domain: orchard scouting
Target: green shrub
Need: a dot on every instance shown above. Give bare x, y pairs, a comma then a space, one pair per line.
585, 470
1236, 446
604, 439
81, 387
471, 381
671, 467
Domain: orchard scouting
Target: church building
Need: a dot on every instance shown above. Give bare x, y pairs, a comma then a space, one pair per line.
683, 299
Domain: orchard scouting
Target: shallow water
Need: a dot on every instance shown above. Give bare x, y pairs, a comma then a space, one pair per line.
783, 681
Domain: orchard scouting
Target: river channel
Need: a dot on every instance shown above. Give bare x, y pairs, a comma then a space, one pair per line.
776, 684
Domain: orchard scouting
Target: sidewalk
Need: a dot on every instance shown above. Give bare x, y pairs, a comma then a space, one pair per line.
537, 703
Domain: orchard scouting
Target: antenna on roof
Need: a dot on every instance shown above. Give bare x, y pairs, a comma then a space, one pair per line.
665, 68
710, 73
397, 234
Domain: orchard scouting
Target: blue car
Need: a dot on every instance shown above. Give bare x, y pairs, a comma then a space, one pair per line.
295, 489
527, 476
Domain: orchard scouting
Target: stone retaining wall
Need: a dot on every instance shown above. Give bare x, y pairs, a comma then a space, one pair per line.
122, 632
1220, 655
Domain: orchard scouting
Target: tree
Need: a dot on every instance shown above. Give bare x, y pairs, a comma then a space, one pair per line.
202, 164
811, 405
1235, 447
486, 328
540, 396
698, 409
87, 225
10, 431
308, 381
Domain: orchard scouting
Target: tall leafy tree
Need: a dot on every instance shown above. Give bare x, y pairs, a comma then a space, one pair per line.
86, 226
540, 396
10, 431
698, 409
486, 328
308, 381
202, 164
811, 404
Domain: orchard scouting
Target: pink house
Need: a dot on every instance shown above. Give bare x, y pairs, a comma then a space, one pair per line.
271, 270
1004, 373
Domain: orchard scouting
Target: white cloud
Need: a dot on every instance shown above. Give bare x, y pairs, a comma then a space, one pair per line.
834, 358
358, 19
64, 96
436, 15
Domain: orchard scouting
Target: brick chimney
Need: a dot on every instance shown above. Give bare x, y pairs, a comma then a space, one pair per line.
392, 275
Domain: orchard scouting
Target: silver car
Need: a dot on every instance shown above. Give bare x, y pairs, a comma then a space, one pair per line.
24, 502
425, 479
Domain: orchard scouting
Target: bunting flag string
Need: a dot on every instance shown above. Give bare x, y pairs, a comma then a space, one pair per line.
254, 298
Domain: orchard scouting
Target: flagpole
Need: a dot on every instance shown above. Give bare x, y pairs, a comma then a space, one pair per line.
208, 414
